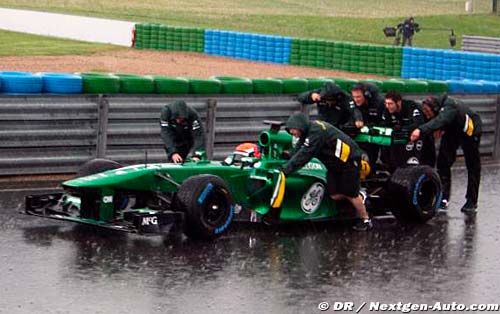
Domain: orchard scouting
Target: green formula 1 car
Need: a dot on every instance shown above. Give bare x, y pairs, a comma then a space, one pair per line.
203, 198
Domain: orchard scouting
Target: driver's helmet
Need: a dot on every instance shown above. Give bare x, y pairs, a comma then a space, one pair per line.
365, 169
248, 150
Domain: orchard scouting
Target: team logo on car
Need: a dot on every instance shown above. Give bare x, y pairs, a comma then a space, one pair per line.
107, 199
312, 198
412, 161
419, 144
149, 220
409, 146
312, 166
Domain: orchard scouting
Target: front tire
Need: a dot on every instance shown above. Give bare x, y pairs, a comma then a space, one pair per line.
208, 205
415, 193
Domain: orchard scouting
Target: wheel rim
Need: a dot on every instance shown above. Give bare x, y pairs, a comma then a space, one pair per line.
427, 195
215, 209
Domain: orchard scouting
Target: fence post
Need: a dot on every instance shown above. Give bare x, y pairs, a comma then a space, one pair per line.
102, 126
496, 148
210, 124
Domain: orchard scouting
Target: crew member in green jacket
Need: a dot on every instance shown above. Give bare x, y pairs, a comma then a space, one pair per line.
340, 155
461, 127
332, 103
182, 132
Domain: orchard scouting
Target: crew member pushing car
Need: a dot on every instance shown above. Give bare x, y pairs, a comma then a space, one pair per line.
182, 132
404, 116
461, 127
332, 103
340, 155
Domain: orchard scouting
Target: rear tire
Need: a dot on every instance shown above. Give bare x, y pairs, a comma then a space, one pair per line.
415, 193
97, 165
208, 204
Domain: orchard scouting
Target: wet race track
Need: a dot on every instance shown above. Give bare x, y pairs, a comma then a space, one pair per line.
49, 266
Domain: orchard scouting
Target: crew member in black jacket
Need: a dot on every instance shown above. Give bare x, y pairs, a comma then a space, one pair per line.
404, 116
340, 155
366, 110
332, 103
182, 132
461, 127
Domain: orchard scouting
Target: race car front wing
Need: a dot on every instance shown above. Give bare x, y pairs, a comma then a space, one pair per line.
144, 221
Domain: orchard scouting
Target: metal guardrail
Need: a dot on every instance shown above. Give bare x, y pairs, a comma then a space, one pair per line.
481, 44
49, 134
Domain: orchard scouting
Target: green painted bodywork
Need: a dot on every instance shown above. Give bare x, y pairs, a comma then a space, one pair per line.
378, 135
251, 180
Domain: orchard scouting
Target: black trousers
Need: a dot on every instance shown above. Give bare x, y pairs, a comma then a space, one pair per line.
447, 156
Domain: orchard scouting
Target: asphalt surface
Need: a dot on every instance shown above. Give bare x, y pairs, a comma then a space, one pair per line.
58, 267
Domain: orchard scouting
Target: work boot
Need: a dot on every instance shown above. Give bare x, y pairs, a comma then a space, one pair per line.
469, 208
363, 225
444, 204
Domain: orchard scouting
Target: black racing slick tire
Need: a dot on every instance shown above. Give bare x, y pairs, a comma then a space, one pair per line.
414, 193
97, 165
207, 202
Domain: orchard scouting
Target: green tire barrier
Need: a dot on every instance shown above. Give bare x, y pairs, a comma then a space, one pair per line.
437, 86
415, 86
267, 86
318, 82
345, 83
204, 86
135, 84
394, 85
100, 83
163, 37
294, 85
171, 85
105, 83
235, 85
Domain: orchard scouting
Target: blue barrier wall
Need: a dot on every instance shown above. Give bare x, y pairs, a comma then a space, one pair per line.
249, 46
468, 72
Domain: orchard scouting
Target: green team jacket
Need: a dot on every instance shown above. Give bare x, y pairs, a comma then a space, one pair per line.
321, 140
453, 116
181, 139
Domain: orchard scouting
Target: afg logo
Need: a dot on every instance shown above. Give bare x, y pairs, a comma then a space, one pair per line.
312, 198
150, 220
